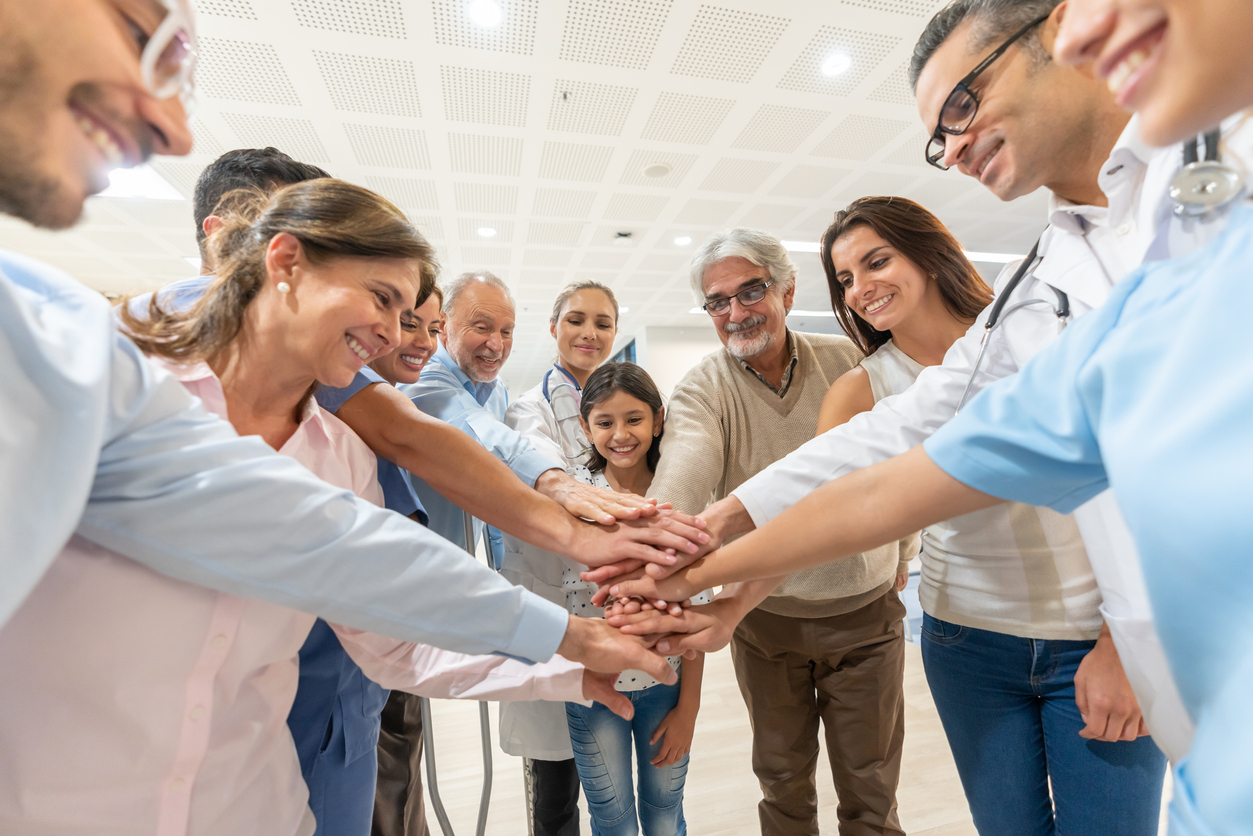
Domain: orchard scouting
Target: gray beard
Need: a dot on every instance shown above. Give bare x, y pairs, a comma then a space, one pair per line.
746, 350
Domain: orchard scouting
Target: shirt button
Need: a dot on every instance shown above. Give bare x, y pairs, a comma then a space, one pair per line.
197, 713
1123, 229
219, 642
177, 785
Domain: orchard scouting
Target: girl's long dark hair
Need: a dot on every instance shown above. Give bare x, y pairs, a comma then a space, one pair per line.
607, 381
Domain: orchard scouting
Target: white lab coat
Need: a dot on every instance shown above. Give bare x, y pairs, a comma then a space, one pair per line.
1084, 250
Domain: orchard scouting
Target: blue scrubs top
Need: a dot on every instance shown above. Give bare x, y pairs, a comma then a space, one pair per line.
1153, 394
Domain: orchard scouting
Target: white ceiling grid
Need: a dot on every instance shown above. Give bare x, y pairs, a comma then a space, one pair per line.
541, 129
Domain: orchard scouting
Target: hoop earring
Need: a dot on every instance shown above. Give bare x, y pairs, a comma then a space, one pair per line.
283, 287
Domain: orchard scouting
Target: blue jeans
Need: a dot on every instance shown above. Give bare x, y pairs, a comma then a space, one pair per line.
602, 752
1008, 709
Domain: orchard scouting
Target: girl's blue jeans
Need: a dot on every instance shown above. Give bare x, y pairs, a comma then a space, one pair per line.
1008, 709
602, 751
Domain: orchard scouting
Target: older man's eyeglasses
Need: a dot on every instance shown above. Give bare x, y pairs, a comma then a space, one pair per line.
962, 105
747, 297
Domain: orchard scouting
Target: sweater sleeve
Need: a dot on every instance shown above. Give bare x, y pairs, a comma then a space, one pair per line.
693, 447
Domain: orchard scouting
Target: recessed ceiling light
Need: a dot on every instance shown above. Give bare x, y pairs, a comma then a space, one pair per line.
623, 239
484, 13
657, 169
836, 63
487, 232
624, 309
683, 240
140, 181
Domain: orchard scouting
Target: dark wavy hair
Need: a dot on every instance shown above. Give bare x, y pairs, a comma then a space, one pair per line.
920, 237
606, 382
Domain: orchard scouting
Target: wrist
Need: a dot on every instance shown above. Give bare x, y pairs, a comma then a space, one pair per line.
548, 481
572, 643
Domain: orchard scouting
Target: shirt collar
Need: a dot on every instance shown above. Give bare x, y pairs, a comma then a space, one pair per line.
1127, 163
787, 372
480, 391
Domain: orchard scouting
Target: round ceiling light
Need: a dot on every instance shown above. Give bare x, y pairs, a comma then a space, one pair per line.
683, 240
485, 13
657, 169
487, 232
837, 63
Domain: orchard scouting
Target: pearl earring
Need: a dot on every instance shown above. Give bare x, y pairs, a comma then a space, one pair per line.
283, 287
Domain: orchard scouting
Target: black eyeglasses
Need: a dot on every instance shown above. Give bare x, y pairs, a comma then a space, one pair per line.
748, 297
962, 105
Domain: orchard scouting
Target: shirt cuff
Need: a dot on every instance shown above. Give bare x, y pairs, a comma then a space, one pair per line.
760, 513
540, 630
530, 465
565, 684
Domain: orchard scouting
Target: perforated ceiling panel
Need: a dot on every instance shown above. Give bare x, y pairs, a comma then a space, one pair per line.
567, 161
634, 207
389, 147
769, 216
406, 192
638, 168
477, 154
912, 151
860, 137
562, 203
866, 49
245, 72
204, 142
681, 117
732, 174
559, 234
779, 128
605, 260
809, 181
485, 96
239, 9
158, 214
614, 33
514, 34
381, 18
431, 226
365, 84
482, 197
727, 44
913, 8
706, 212
878, 183
585, 108
475, 257
296, 137
181, 175
535, 257
895, 89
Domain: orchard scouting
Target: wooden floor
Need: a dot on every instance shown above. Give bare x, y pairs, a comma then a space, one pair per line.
722, 792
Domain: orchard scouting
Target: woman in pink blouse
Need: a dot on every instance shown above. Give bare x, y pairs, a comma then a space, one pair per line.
135, 703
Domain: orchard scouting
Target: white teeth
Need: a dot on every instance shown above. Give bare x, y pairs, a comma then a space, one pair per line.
358, 348
1119, 75
112, 153
411, 360
879, 303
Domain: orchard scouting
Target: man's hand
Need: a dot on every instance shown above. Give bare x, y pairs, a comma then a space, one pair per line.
599, 687
674, 588
706, 627
1104, 696
592, 503
902, 581
600, 647
655, 539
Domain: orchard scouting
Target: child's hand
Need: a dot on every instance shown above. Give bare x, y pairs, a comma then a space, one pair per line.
676, 729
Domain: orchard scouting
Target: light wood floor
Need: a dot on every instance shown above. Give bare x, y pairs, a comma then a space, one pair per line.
722, 792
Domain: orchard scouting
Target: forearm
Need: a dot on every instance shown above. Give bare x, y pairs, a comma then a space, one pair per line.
727, 518
693, 674
746, 595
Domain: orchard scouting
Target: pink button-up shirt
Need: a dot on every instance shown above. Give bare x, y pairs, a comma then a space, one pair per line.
132, 703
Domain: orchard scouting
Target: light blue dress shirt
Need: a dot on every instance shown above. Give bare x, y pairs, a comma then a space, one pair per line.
1153, 394
444, 391
95, 440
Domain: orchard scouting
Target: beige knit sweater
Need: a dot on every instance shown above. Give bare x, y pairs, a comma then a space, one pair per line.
724, 425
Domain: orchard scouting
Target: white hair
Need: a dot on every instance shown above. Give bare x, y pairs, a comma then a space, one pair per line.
761, 248
458, 286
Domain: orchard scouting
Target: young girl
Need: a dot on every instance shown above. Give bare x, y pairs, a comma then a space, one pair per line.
622, 415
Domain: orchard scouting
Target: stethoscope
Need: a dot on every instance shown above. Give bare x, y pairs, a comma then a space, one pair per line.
564, 373
1201, 187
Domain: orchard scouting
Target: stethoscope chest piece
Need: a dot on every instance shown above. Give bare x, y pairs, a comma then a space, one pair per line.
1205, 186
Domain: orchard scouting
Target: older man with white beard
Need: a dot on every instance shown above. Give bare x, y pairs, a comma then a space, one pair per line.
828, 644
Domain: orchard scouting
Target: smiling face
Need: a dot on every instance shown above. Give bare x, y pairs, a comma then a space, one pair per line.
478, 331
622, 428
747, 332
1182, 65
585, 331
881, 285
419, 337
73, 105
1035, 123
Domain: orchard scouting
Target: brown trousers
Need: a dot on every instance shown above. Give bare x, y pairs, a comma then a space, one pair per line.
846, 671
398, 805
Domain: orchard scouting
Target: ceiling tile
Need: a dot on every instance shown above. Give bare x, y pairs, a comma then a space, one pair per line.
860, 137
681, 117
941, 190
706, 212
667, 262
388, 147
727, 44
809, 181
635, 207
27, 240
586, 108
912, 152
605, 260
562, 203
567, 161
203, 140
239, 9
542, 278
913, 8
560, 234
468, 229
157, 214
296, 137
895, 88
431, 226
633, 173
515, 34
182, 175
769, 216
779, 128
732, 174
642, 280
613, 33
876, 183
475, 257
483, 197
381, 18
867, 49
546, 258
477, 154
162, 265
406, 192
243, 71
367, 84
184, 241
486, 97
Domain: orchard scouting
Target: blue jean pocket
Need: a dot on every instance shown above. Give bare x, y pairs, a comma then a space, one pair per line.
943, 632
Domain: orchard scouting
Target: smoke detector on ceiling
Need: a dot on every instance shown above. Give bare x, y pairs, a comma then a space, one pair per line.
624, 239
657, 169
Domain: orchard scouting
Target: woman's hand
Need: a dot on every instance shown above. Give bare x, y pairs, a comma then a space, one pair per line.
675, 733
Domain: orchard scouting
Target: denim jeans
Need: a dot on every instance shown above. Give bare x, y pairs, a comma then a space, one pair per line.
602, 750
1008, 709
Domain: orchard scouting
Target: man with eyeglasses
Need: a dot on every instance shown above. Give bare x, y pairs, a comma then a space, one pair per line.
828, 645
